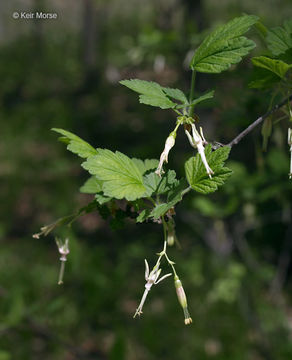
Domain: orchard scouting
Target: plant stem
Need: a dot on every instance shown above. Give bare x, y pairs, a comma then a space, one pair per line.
185, 191
239, 137
191, 109
151, 200
163, 253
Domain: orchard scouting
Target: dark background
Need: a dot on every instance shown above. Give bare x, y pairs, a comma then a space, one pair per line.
236, 244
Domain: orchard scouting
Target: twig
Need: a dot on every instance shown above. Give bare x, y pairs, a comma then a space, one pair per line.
239, 137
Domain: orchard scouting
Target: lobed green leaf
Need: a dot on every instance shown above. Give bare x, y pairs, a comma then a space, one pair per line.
196, 172
224, 46
279, 39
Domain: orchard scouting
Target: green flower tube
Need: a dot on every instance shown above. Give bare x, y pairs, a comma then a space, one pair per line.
182, 299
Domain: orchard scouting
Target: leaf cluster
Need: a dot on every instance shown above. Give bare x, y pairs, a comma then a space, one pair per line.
115, 176
273, 69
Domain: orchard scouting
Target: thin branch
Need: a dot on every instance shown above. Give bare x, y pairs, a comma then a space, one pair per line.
245, 132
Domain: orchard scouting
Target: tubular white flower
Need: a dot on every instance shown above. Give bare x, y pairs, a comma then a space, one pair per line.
197, 141
169, 143
63, 247
151, 279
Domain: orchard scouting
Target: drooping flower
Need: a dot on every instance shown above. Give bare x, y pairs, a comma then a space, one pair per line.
182, 299
151, 279
198, 141
169, 143
63, 247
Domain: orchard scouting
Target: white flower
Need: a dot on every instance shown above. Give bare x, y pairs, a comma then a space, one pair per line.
197, 141
151, 279
63, 248
169, 143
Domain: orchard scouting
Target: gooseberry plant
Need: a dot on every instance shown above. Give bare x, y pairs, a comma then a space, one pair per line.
150, 189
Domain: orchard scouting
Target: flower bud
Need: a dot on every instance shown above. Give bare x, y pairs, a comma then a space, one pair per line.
171, 236
182, 299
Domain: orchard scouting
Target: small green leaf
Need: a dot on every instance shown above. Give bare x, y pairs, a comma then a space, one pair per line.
150, 92
76, 144
196, 173
224, 46
174, 196
208, 95
278, 67
175, 94
159, 185
102, 199
91, 186
120, 175
144, 214
279, 39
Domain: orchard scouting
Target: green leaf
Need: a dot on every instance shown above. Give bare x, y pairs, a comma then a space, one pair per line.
159, 185
75, 144
144, 215
175, 94
150, 92
146, 165
279, 39
174, 196
120, 175
224, 46
278, 67
263, 79
143, 87
91, 186
196, 172
208, 95
159, 101
102, 199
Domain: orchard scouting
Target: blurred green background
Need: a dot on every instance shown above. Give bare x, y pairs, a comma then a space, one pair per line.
235, 251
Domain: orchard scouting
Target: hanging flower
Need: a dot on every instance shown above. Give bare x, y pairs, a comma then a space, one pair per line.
63, 247
169, 143
151, 279
198, 141
182, 299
